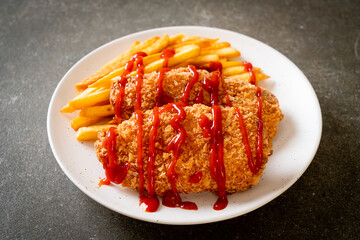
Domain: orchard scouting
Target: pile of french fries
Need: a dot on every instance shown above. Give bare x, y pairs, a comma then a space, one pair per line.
92, 100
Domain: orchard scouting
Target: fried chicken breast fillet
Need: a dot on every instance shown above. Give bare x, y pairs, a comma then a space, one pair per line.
174, 83
195, 152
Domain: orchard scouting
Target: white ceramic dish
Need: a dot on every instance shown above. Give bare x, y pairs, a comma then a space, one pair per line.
294, 146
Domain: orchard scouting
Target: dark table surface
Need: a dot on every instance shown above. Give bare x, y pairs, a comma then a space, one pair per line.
41, 40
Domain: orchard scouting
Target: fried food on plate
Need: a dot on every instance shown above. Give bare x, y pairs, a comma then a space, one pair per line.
178, 114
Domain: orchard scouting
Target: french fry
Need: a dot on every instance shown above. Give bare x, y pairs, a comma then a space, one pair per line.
157, 46
79, 122
151, 58
246, 76
195, 38
105, 82
223, 59
176, 39
199, 60
217, 45
83, 101
112, 121
134, 44
97, 111
115, 63
90, 133
228, 52
260, 76
184, 53
200, 43
233, 70
229, 64
83, 94
67, 109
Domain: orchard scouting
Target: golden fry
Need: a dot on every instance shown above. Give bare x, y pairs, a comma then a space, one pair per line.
201, 43
157, 46
233, 70
97, 111
90, 133
195, 38
176, 39
228, 52
115, 63
246, 76
79, 122
105, 82
199, 61
231, 64
217, 45
83, 101
134, 44
67, 109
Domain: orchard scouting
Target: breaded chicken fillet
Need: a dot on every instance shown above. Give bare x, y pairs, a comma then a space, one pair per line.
174, 83
195, 152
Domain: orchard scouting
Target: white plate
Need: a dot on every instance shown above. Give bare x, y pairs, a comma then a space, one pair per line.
294, 146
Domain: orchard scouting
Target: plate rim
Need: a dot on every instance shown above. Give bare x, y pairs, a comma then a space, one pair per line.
209, 220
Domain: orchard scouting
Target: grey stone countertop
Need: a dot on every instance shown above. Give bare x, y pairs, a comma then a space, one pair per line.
41, 40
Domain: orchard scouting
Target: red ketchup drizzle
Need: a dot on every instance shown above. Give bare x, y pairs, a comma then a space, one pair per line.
114, 172
161, 97
245, 141
122, 83
166, 54
190, 84
137, 57
212, 86
154, 205
205, 124
171, 197
147, 203
254, 167
217, 168
249, 68
200, 96
195, 177
217, 66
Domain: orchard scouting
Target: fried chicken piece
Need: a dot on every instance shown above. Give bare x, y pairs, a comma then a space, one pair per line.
174, 83
195, 152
